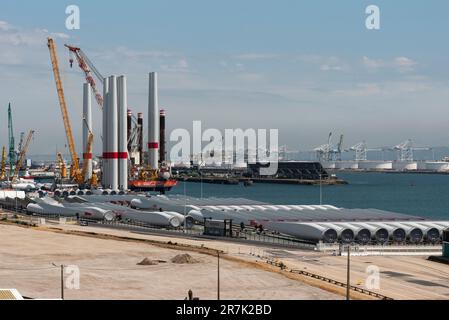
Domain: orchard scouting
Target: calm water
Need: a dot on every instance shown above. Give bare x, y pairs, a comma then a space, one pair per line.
416, 194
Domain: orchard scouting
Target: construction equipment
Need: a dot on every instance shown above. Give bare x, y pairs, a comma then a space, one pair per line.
65, 116
3, 169
339, 149
361, 151
22, 155
12, 151
22, 135
405, 150
88, 68
324, 152
61, 165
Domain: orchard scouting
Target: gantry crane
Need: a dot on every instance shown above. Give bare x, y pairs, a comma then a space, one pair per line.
22, 155
3, 169
406, 148
65, 116
88, 68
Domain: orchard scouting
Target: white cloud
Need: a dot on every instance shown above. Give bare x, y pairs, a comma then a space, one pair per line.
325, 63
256, 56
5, 26
401, 64
327, 67
404, 64
372, 63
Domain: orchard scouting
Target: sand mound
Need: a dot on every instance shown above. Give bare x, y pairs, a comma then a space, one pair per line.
184, 258
148, 262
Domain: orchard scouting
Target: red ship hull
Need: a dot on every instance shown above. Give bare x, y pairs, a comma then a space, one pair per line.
156, 185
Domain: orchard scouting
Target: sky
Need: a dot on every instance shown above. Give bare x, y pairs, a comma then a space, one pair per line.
303, 67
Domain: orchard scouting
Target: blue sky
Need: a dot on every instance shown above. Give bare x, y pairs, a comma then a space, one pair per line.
304, 67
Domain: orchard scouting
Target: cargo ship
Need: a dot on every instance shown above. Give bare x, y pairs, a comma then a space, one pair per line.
152, 185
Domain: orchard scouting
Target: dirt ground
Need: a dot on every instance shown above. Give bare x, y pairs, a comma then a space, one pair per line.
109, 270
107, 264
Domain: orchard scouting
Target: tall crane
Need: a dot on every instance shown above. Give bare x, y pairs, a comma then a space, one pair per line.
22, 136
405, 150
339, 149
12, 148
88, 68
61, 165
65, 116
3, 169
324, 152
22, 155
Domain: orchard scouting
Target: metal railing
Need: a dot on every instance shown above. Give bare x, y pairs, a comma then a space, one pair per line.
329, 280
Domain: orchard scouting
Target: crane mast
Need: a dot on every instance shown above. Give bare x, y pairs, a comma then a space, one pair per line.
22, 155
12, 151
65, 115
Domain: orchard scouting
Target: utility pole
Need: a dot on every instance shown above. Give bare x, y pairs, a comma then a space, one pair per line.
185, 205
321, 191
348, 285
218, 274
62, 279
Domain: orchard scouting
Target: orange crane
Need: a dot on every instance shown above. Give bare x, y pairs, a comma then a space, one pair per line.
65, 115
88, 68
3, 169
22, 155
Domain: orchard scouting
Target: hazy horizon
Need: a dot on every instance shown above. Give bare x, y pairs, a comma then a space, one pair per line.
305, 68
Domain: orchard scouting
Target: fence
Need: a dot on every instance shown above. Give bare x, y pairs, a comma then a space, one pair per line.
328, 280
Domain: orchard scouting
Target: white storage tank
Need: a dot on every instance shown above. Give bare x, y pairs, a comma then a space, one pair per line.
405, 165
376, 165
437, 166
349, 164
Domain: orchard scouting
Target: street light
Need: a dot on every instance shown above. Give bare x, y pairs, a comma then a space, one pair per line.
218, 274
185, 205
321, 191
62, 279
348, 285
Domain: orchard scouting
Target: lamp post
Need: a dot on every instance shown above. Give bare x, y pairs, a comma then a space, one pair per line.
62, 279
218, 274
348, 285
321, 191
185, 205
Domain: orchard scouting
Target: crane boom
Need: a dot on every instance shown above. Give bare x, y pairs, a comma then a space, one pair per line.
65, 115
12, 148
22, 155
88, 67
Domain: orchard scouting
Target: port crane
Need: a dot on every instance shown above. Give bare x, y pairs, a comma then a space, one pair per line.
88, 68
65, 116
337, 152
324, 151
361, 151
22, 155
12, 151
405, 150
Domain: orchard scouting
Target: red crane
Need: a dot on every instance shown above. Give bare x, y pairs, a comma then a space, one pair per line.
88, 68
